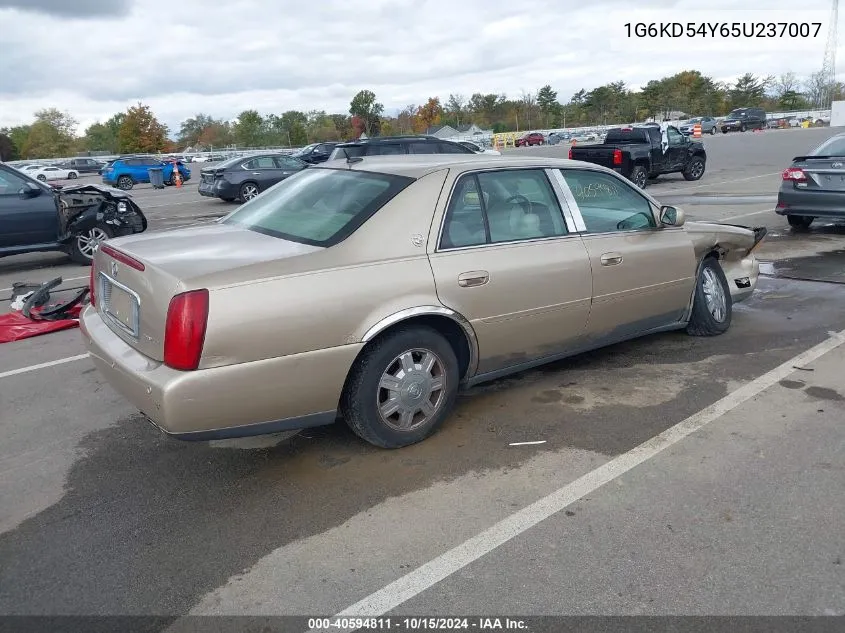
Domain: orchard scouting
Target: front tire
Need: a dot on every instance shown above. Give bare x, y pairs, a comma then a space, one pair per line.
639, 176
742, 128
402, 388
712, 307
712, 130
84, 245
799, 221
694, 169
125, 183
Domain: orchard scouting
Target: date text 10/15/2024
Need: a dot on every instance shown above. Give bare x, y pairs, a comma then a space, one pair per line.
768, 30
417, 624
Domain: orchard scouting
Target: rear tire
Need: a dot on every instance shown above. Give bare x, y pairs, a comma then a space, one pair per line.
712, 307
248, 191
694, 169
72, 175
799, 221
639, 176
377, 379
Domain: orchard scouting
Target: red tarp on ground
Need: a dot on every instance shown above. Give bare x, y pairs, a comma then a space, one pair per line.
14, 326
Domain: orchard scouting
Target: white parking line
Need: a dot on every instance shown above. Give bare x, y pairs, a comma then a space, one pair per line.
68, 279
422, 578
657, 193
52, 363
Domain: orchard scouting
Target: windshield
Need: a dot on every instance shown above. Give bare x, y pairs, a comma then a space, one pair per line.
694, 121
831, 147
738, 114
320, 207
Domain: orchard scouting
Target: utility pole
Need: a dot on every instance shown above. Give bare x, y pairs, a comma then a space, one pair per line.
829, 64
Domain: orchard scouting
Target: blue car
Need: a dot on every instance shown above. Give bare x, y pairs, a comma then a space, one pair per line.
127, 171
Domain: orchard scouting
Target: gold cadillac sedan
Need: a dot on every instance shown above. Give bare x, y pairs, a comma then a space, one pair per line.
375, 288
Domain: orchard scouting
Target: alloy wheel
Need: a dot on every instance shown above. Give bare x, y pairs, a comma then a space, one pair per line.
714, 295
88, 242
411, 389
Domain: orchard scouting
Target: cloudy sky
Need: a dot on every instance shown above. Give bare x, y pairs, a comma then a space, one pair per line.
93, 58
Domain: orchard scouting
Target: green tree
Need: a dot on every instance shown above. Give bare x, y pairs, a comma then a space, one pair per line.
100, 137
50, 136
192, 129
749, 90
453, 112
296, 123
250, 129
141, 132
365, 106
8, 151
547, 102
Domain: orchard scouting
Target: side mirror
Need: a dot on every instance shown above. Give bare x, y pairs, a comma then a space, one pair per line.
671, 216
29, 191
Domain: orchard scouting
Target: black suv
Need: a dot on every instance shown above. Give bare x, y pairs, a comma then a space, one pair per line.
394, 145
743, 119
315, 153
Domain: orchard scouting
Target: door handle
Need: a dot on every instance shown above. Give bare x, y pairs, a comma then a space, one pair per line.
611, 259
473, 278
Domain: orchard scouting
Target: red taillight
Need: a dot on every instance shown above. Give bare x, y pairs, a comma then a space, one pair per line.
92, 284
794, 174
184, 332
617, 157
570, 153
123, 258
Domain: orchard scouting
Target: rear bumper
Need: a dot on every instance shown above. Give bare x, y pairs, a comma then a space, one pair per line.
254, 398
817, 204
218, 189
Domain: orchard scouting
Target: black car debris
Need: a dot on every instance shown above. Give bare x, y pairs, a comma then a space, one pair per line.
37, 218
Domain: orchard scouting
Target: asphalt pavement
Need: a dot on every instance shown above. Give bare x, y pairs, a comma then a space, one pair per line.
677, 475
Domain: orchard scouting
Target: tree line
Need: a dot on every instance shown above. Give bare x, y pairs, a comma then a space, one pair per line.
137, 130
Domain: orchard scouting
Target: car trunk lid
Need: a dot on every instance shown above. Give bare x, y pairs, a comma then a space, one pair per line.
138, 275
823, 173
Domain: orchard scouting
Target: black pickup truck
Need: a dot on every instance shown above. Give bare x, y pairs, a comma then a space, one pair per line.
638, 154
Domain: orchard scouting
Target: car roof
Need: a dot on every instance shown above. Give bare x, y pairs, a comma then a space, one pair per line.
393, 139
419, 165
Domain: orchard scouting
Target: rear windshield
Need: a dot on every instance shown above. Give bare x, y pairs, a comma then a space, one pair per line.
831, 147
320, 207
622, 136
